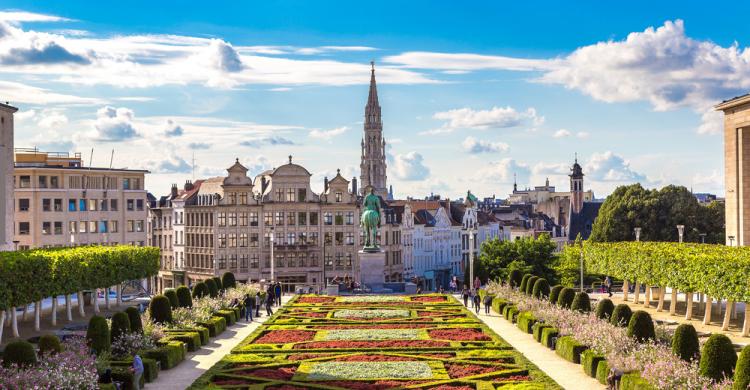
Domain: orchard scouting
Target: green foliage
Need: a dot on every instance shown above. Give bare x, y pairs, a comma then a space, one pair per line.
160, 309
183, 297
541, 288
536, 330
229, 316
514, 278
200, 290
97, 334
554, 293
168, 355
685, 342
658, 212
135, 319
547, 335
621, 315
120, 325
525, 321
20, 352
602, 371
530, 285
581, 303
604, 309
217, 281
498, 258
718, 358
171, 294
150, 369
633, 381
49, 343
213, 289
498, 304
228, 281
742, 370
641, 326
524, 282
570, 349
566, 297
590, 362
568, 266
28, 276
191, 339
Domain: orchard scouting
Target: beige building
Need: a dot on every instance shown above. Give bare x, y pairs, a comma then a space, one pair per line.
6, 183
58, 202
737, 168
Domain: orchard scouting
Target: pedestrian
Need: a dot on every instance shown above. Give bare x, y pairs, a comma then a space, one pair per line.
477, 283
477, 303
269, 294
608, 285
257, 304
465, 294
137, 370
249, 307
487, 303
277, 293
453, 285
269, 303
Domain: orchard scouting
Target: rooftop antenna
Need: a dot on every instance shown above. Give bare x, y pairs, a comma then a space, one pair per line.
193, 166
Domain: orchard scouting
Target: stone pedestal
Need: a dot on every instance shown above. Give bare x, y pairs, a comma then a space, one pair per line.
372, 269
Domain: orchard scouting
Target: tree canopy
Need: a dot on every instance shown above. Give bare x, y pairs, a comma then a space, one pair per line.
498, 258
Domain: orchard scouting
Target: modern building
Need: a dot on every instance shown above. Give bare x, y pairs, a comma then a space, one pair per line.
59, 202
6, 183
737, 168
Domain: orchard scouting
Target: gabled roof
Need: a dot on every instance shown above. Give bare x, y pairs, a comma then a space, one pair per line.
583, 222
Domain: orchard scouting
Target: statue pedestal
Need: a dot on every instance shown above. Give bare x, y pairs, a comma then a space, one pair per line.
372, 269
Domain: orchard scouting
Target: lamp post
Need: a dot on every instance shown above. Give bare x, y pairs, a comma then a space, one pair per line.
637, 234
680, 232
471, 256
581, 266
273, 260
703, 238
731, 240
325, 280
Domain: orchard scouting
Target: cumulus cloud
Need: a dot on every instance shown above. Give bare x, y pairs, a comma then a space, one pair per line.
171, 163
51, 118
199, 145
476, 146
328, 134
494, 118
565, 133
410, 166
609, 166
221, 55
114, 124
172, 129
261, 141
503, 171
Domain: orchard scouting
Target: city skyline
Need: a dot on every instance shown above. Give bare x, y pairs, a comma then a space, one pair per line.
626, 97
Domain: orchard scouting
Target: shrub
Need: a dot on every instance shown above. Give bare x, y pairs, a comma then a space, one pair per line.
547, 335
742, 370
49, 343
602, 371
570, 349
718, 358
498, 305
191, 339
554, 293
685, 342
228, 281
219, 285
524, 280
171, 294
581, 303
537, 329
161, 309
590, 362
213, 290
183, 297
20, 352
567, 295
215, 325
641, 326
530, 285
604, 309
97, 334
514, 278
168, 355
525, 321
541, 288
621, 315
135, 319
120, 326
633, 381
200, 290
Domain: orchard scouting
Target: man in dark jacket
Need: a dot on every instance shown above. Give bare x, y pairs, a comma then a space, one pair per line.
269, 303
277, 293
249, 307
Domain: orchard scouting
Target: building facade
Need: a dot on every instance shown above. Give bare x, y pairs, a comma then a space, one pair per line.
737, 169
7, 202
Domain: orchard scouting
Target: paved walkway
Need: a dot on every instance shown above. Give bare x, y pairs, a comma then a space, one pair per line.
196, 363
566, 374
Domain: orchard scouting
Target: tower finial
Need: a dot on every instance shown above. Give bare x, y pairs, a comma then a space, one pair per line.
290, 159
576, 154
372, 65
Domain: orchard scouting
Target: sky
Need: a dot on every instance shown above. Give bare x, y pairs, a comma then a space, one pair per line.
473, 94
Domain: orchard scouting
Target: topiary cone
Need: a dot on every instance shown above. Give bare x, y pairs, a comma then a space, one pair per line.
171, 294
565, 299
621, 315
522, 286
641, 326
581, 303
200, 290
135, 319
554, 294
97, 334
685, 343
219, 286
161, 309
49, 343
718, 358
530, 284
742, 370
20, 352
120, 326
183, 296
541, 288
514, 278
213, 290
604, 309
228, 280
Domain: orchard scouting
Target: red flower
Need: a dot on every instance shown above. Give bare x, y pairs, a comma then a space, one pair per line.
459, 334
372, 344
285, 336
281, 373
316, 299
462, 370
429, 298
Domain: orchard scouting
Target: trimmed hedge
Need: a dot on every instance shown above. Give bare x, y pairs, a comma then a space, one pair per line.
570, 349
498, 305
633, 381
537, 329
685, 343
217, 281
604, 309
547, 335
160, 309
566, 297
718, 358
514, 278
581, 303
215, 325
621, 315
641, 326
554, 293
602, 371
120, 326
49, 343
171, 294
191, 339
150, 367
200, 290
201, 330
524, 280
541, 288
530, 285
124, 375
20, 352
590, 362
97, 334
183, 296
228, 280
168, 355
525, 321
230, 316
135, 319
742, 370
511, 313
213, 289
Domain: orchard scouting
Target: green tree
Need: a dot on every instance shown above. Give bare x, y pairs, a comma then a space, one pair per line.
529, 255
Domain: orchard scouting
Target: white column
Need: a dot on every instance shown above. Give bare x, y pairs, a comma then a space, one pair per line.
14, 321
2, 323
673, 303
81, 303
37, 315
689, 304
637, 292
707, 315
625, 287
68, 308
727, 314
660, 305
106, 299
54, 310
95, 298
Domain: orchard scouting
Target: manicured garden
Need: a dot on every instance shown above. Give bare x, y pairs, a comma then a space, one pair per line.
374, 343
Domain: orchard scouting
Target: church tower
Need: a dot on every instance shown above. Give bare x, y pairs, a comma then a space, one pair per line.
576, 187
372, 167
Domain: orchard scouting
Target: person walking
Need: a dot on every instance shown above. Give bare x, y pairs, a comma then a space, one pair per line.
477, 302
277, 293
269, 294
465, 294
257, 304
137, 370
608, 285
249, 307
477, 283
487, 303
269, 303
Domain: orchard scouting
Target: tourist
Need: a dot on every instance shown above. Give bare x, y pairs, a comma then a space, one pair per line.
137, 370
477, 283
249, 307
257, 304
453, 286
465, 294
487, 303
440, 289
608, 285
269, 303
277, 293
477, 301
269, 294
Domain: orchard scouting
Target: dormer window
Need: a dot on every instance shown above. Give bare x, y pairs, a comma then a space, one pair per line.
279, 195
290, 195
338, 197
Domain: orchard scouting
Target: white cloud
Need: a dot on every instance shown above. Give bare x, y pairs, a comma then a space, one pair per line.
611, 167
170, 163
494, 118
503, 171
22, 16
22, 93
199, 145
328, 134
23, 116
172, 129
476, 146
708, 182
582, 134
272, 140
410, 166
51, 118
461, 62
114, 124
562, 133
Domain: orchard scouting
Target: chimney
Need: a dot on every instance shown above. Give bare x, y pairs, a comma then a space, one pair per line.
325, 184
174, 190
188, 185
354, 186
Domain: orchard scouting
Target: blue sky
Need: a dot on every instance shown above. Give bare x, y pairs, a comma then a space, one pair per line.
471, 94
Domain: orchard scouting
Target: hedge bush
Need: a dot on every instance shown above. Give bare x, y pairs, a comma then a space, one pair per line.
183, 297
200, 290
150, 367
511, 313
219, 285
49, 343
525, 321
621, 315
524, 280
515, 277
213, 289
97, 334
604, 309
530, 285
554, 293
20, 352
566, 297
570, 349
581, 303
160, 309
547, 335
641, 326
201, 330
742, 370
215, 325
685, 343
134, 317
192, 340
498, 305
120, 326
633, 381
171, 294
228, 280
541, 288
590, 362
536, 330
718, 358
602, 371
168, 355
229, 316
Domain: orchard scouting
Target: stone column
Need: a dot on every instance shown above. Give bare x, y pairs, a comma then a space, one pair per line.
689, 303
625, 287
637, 292
81, 303
727, 314
673, 303
707, 315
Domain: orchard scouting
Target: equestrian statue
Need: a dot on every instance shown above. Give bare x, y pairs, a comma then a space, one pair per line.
370, 221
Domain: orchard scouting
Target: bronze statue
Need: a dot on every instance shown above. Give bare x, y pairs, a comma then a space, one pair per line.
370, 221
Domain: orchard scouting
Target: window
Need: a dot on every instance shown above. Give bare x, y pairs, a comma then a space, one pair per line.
222, 240
131, 226
348, 259
301, 194
279, 238
339, 218
291, 238
139, 204
54, 182
292, 261
302, 238
222, 219
113, 204
231, 198
279, 218
58, 205
92, 227
42, 181
339, 238
126, 184
23, 228
233, 261
72, 228
243, 219
83, 227
222, 261
290, 195
313, 240
46, 228
349, 238
350, 218
243, 262
243, 240
232, 240
268, 219
313, 218
23, 205
82, 204
71, 205
302, 218
232, 219
103, 205
139, 226
279, 195
58, 228
253, 240
329, 260
313, 259
92, 204
130, 205
290, 218
102, 226
24, 182
254, 260
301, 259
328, 218
113, 226
253, 218
279, 260
243, 197
339, 260
338, 197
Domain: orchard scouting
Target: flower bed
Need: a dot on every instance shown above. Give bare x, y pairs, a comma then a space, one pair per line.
459, 334
372, 334
367, 314
372, 344
285, 336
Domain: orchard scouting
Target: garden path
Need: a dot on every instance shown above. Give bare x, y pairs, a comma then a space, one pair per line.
196, 363
566, 374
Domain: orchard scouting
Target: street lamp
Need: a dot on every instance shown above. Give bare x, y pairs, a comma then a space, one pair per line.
637, 234
471, 256
731, 240
680, 231
273, 260
325, 280
581, 266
